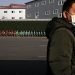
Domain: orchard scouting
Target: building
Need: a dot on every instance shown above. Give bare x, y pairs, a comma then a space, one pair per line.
13, 12
44, 9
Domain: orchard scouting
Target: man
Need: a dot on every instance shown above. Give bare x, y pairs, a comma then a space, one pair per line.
61, 44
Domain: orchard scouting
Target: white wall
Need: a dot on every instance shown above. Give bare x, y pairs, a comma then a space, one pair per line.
9, 13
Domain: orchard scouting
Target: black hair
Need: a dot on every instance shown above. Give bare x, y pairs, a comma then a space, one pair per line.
67, 5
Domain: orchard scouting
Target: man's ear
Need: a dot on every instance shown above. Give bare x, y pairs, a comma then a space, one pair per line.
64, 14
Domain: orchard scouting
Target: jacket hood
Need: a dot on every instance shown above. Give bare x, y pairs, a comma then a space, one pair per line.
57, 23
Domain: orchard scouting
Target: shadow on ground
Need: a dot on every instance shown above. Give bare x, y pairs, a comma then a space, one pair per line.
22, 67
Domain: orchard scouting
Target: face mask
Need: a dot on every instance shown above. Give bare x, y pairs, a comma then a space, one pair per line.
73, 19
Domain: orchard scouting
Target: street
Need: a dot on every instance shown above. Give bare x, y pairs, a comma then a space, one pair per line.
23, 48
23, 55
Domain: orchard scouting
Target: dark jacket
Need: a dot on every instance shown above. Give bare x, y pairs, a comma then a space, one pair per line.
61, 47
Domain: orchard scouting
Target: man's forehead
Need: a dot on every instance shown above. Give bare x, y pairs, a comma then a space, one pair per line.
72, 9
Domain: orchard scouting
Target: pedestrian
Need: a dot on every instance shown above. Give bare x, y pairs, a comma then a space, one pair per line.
61, 42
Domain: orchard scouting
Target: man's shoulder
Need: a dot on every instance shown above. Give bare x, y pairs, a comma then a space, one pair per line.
65, 31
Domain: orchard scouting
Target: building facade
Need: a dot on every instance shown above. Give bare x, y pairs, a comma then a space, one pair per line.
44, 9
13, 12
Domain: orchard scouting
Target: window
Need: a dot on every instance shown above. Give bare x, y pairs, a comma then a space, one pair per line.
20, 17
36, 14
60, 2
3, 17
13, 11
20, 11
13, 17
43, 2
55, 11
28, 15
60, 15
36, 4
51, 1
5, 11
47, 12
28, 6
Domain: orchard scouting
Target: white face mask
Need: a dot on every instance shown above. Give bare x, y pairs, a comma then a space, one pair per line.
73, 19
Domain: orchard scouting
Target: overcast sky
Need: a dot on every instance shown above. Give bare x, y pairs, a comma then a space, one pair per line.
7, 2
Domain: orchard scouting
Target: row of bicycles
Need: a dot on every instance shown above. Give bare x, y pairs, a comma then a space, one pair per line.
21, 33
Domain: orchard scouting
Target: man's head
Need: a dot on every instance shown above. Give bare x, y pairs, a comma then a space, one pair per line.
68, 10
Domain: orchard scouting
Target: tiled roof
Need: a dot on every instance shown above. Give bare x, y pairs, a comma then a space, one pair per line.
14, 6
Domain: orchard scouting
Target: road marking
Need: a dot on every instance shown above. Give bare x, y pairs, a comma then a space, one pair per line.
43, 45
42, 56
45, 40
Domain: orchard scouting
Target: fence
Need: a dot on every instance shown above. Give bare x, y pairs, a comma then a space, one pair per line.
22, 28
